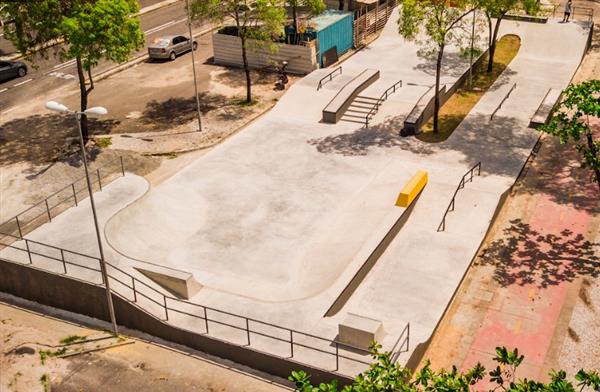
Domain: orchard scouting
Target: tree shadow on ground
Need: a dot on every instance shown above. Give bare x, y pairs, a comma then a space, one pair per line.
235, 77
527, 257
178, 111
453, 65
40, 139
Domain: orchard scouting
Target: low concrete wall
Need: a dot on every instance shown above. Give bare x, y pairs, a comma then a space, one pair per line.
338, 105
228, 51
84, 298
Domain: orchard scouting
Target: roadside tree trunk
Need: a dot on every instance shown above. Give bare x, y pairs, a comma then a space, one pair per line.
593, 152
341, 5
246, 70
295, 17
83, 96
493, 41
436, 103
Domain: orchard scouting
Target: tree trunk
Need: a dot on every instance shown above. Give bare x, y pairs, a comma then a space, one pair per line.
246, 70
593, 152
492, 49
295, 16
436, 103
83, 93
341, 5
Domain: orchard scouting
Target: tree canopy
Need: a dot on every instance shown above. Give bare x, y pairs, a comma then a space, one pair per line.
571, 122
384, 375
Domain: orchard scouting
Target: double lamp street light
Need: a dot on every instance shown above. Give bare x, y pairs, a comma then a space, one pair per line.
91, 112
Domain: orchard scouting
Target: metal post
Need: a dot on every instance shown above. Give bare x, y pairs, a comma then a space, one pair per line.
62, 257
99, 180
28, 252
122, 167
48, 210
471, 54
291, 344
189, 18
111, 309
74, 193
19, 227
337, 356
166, 309
134, 293
248, 330
206, 320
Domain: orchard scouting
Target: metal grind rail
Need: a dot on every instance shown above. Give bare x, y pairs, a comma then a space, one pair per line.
45, 207
135, 290
329, 76
381, 100
514, 86
461, 185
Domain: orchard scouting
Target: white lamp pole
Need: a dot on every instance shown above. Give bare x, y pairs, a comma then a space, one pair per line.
91, 112
189, 18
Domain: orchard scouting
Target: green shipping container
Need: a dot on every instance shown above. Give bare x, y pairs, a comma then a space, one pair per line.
333, 29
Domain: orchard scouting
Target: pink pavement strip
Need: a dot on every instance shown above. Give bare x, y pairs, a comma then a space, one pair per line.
524, 314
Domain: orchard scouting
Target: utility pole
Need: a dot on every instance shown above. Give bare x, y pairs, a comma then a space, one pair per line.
189, 17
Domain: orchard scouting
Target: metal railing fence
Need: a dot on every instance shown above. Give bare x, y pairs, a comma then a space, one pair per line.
461, 185
48, 208
166, 307
381, 100
328, 76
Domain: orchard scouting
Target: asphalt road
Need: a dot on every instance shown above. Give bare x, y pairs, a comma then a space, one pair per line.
53, 72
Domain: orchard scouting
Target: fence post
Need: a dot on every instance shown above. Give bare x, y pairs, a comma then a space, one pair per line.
337, 356
479, 169
205, 319
74, 193
99, 180
62, 257
19, 227
48, 210
134, 293
291, 343
166, 309
248, 330
122, 167
28, 251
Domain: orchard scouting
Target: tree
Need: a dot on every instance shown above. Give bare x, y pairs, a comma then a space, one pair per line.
87, 30
571, 122
495, 9
386, 376
439, 19
314, 7
256, 20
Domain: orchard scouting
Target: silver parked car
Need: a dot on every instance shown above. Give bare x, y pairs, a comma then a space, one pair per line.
169, 47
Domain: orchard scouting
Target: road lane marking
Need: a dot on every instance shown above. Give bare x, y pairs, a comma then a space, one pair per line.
23, 82
61, 75
3, 90
163, 26
65, 64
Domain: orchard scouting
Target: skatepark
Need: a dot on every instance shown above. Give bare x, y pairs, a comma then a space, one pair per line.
294, 222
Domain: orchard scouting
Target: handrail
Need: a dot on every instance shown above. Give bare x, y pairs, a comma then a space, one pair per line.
590, 12
48, 207
461, 185
381, 99
165, 302
330, 76
514, 86
400, 346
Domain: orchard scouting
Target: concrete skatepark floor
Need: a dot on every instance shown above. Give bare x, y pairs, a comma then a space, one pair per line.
277, 220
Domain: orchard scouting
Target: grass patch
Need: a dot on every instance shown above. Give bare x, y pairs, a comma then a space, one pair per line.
103, 142
45, 381
462, 101
242, 102
45, 354
72, 339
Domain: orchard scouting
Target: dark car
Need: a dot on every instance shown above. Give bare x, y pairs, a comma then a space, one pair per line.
170, 47
12, 69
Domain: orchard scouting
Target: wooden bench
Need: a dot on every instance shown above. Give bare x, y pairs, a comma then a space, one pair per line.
412, 189
543, 112
342, 100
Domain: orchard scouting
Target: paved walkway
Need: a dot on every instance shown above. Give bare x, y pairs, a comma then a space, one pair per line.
277, 220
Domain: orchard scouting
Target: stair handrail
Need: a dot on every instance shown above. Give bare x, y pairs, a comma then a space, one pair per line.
382, 98
330, 76
461, 185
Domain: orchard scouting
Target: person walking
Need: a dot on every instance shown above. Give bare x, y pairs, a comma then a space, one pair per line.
568, 8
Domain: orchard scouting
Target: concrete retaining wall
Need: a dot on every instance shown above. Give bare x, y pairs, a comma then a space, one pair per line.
77, 296
228, 51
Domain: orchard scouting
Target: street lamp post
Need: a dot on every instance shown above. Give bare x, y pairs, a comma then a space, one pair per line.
91, 112
189, 18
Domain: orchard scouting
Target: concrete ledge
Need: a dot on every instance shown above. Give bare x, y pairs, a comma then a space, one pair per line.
526, 18
543, 112
180, 283
359, 331
412, 189
342, 100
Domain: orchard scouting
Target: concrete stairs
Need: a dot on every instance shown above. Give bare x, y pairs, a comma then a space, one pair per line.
359, 109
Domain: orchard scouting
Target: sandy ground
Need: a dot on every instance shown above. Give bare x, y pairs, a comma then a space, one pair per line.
136, 365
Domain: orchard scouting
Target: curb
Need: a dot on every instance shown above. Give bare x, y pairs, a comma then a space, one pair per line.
145, 10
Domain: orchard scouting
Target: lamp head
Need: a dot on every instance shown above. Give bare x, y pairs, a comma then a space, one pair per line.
57, 107
95, 111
